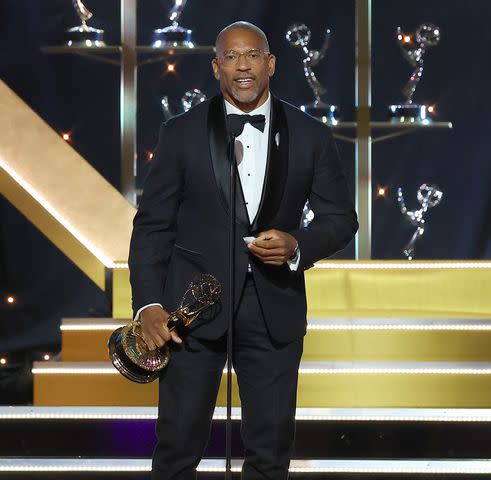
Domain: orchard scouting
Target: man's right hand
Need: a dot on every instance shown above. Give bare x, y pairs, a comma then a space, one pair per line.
154, 330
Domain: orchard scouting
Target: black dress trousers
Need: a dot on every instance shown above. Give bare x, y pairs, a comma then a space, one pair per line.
267, 374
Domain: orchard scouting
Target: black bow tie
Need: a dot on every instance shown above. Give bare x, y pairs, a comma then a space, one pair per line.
236, 123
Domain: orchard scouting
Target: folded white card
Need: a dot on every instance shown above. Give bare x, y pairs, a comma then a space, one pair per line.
248, 240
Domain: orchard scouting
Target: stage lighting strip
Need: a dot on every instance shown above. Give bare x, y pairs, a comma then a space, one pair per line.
302, 414
412, 324
338, 324
359, 265
442, 368
104, 259
218, 465
383, 266
81, 327
424, 368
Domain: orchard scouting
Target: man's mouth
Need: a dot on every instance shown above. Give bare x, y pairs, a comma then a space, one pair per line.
245, 82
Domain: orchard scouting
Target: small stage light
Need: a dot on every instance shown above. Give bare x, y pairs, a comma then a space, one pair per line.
46, 357
381, 191
10, 299
431, 109
149, 156
171, 68
3, 361
66, 136
407, 38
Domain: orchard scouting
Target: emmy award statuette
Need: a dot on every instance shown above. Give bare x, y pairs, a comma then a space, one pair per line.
83, 35
413, 47
298, 35
428, 196
174, 35
188, 100
130, 354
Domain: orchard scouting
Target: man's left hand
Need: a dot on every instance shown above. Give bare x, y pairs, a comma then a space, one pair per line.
273, 247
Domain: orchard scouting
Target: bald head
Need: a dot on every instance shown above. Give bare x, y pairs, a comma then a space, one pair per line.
243, 65
241, 26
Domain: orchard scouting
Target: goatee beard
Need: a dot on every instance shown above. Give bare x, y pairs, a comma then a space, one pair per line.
245, 97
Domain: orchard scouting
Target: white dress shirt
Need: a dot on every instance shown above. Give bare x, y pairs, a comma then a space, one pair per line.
251, 152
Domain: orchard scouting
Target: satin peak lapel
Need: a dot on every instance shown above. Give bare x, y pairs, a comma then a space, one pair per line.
276, 168
219, 151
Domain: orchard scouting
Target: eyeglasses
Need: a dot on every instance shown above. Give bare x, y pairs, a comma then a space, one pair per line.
253, 57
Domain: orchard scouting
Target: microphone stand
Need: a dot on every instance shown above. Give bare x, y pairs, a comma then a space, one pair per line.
228, 422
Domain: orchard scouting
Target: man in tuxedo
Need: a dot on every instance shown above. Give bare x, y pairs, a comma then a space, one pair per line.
181, 229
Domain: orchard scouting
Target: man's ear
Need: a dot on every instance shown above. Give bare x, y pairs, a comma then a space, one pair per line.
271, 65
216, 71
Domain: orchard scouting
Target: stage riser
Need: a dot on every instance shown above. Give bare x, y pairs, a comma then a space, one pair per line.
342, 440
348, 390
335, 345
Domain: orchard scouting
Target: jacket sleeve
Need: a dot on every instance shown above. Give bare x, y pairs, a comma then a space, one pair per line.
155, 224
335, 220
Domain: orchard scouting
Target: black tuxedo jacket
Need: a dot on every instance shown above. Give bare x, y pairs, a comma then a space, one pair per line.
182, 225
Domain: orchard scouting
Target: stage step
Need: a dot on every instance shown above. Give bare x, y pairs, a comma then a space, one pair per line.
321, 384
336, 339
136, 468
320, 433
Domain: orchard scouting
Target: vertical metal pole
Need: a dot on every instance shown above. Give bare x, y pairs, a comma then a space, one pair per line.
127, 100
230, 331
363, 145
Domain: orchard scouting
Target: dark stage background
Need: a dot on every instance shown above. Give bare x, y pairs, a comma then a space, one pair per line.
82, 96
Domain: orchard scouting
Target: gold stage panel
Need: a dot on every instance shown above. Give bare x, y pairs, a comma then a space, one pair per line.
321, 385
60, 192
330, 340
391, 289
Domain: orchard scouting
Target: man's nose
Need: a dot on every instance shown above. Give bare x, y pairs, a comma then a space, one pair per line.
243, 64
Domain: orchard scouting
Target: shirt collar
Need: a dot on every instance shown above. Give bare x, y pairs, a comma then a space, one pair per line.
263, 109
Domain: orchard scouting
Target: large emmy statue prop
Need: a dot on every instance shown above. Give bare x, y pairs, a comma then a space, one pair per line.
428, 196
174, 35
130, 354
414, 47
83, 35
189, 99
298, 35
